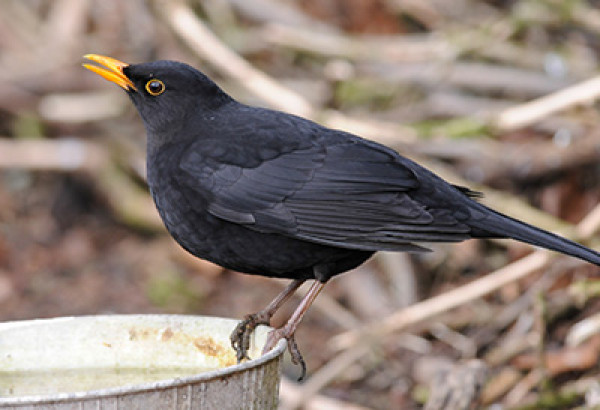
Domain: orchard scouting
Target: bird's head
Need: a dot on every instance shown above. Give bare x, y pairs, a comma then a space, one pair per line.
165, 93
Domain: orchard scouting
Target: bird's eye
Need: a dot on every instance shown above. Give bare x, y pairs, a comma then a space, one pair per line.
155, 87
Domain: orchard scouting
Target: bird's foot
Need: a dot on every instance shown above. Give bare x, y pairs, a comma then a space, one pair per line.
240, 337
286, 333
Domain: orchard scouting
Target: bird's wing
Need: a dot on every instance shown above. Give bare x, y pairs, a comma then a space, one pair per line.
349, 194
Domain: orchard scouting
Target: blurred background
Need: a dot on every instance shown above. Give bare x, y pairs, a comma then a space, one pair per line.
497, 95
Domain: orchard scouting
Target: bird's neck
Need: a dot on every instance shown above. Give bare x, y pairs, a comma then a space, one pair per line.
159, 159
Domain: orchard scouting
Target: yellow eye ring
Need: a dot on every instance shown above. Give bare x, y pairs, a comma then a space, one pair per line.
155, 87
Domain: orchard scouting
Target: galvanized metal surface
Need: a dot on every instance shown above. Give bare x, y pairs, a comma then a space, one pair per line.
90, 351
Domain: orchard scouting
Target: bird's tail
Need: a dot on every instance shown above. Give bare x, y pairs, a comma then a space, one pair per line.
503, 226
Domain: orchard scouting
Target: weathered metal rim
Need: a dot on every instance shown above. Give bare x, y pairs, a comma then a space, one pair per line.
142, 387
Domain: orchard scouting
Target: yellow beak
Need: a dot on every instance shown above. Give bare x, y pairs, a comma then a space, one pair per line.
113, 71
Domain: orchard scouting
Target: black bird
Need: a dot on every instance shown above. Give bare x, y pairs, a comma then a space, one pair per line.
268, 193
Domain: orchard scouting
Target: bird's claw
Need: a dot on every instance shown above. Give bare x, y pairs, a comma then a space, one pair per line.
240, 337
297, 358
275, 336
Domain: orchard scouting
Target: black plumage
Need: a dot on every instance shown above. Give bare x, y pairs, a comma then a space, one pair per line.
265, 192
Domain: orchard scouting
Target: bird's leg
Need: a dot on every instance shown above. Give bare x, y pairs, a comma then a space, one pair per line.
240, 337
287, 331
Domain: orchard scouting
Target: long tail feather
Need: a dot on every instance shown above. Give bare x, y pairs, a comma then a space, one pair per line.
499, 225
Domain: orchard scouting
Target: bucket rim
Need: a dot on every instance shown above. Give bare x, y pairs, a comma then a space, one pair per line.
273, 354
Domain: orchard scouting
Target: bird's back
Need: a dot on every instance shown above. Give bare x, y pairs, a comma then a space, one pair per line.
265, 192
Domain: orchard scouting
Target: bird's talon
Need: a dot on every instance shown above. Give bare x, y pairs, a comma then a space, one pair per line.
283, 333
240, 337
297, 358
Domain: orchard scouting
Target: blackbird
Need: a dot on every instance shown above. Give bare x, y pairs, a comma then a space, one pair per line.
268, 193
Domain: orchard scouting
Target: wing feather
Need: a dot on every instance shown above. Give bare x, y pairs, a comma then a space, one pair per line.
304, 193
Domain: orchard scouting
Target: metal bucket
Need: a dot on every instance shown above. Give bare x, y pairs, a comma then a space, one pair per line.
134, 362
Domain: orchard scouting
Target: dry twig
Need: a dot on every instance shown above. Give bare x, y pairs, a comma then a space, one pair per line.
184, 23
205, 44
528, 113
